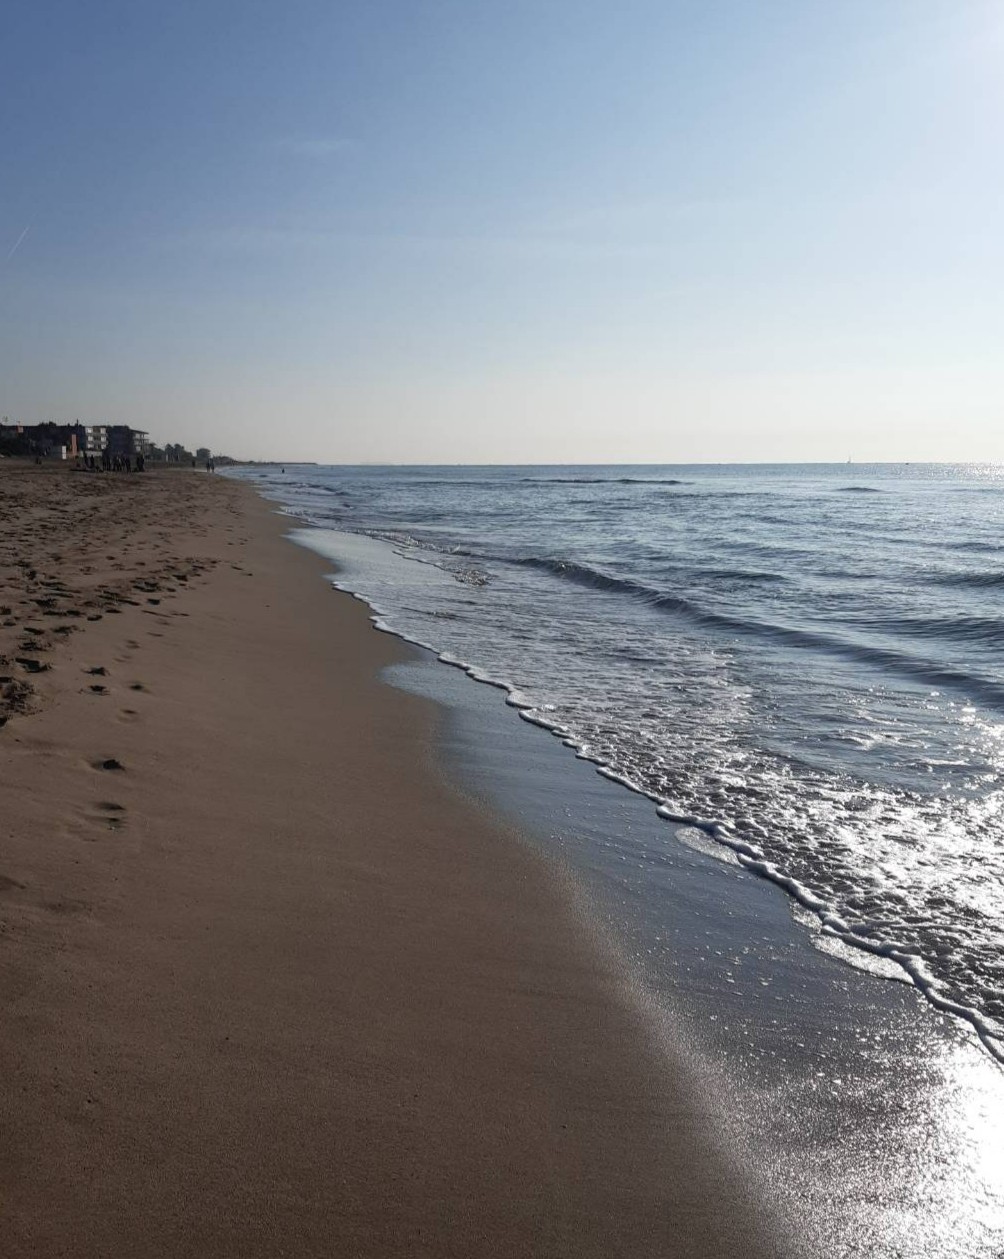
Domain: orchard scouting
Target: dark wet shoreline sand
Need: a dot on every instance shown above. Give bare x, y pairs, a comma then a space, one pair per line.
270, 985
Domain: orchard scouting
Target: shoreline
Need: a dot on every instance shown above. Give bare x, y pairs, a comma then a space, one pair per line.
854, 949
853, 1079
272, 986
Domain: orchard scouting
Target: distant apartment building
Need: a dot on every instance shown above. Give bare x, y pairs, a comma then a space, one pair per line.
125, 441
117, 439
95, 438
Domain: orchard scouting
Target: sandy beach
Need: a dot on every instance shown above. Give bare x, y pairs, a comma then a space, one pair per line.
271, 985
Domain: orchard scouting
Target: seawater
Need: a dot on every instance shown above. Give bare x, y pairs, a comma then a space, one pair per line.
807, 662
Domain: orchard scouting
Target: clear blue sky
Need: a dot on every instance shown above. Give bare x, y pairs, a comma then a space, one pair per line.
552, 231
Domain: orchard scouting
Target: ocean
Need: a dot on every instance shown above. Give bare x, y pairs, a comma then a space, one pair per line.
806, 662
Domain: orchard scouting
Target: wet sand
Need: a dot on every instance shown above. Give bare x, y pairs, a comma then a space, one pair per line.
270, 985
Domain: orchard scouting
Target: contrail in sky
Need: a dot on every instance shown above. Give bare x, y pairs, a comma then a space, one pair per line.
17, 243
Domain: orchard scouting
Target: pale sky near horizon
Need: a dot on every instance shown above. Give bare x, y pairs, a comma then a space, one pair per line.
524, 232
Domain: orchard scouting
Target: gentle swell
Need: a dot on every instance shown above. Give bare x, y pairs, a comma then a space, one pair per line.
584, 575
972, 684
499, 483
952, 629
601, 480
972, 581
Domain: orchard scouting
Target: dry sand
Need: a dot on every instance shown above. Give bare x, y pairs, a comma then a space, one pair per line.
270, 985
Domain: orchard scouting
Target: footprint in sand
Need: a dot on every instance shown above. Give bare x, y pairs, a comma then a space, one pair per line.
35, 644
66, 905
31, 666
108, 763
101, 815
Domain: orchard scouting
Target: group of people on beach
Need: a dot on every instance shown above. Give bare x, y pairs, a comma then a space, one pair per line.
107, 462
